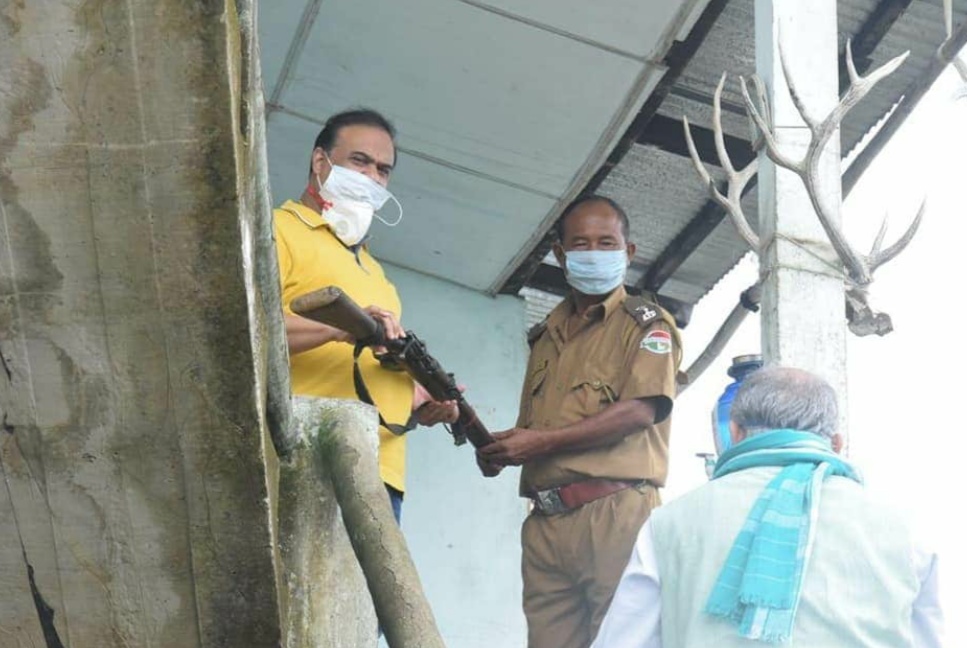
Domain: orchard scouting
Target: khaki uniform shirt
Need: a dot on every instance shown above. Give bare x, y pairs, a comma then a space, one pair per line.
624, 348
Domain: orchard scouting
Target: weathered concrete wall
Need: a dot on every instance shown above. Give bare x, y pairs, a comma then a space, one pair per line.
134, 500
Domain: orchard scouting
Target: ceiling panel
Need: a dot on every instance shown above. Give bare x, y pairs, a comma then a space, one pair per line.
624, 25
459, 227
278, 27
505, 107
290, 144
494, 96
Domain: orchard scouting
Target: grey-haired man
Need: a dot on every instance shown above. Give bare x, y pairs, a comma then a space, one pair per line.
783, 545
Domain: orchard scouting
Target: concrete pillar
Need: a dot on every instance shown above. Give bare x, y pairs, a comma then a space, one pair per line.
132, 483
803, 317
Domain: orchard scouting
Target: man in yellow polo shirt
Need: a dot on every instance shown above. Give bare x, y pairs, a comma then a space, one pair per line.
321, 241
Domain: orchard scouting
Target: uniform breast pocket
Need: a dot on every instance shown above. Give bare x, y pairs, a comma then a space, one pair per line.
588, 396
535, 382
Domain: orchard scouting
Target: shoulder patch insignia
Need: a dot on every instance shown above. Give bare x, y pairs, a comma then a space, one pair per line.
657, 341
641, 310
535, 332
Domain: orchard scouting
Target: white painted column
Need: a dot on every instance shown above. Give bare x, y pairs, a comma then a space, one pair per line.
803, 320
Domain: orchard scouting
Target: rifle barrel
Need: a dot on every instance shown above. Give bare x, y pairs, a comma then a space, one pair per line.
332, 306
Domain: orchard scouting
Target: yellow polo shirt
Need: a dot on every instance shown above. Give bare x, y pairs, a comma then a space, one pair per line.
311, 257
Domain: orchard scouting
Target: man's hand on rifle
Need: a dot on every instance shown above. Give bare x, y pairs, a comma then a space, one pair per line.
487, 469
430, 412
303, 334
514, 447
392, 328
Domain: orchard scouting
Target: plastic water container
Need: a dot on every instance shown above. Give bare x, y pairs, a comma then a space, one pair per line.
741, 367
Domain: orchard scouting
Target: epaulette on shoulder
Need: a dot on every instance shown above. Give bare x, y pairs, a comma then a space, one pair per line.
645, 311
536, 331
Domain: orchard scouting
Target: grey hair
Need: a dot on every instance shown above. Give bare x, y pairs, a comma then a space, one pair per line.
783, 397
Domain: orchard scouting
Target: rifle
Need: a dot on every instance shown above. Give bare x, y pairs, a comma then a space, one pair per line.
334, 307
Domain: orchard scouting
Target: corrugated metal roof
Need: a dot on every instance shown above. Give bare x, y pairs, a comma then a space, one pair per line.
660, 190
494, 141
538, 305
648, 184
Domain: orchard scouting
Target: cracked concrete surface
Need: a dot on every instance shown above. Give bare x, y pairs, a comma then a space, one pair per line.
141, 376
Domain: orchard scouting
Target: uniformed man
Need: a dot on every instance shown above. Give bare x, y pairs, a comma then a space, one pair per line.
592, 433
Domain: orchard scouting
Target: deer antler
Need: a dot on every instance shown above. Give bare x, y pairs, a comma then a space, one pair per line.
876, 257
859, 267
737, 180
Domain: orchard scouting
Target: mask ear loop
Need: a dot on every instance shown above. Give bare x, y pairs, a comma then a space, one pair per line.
398, 218
316, 190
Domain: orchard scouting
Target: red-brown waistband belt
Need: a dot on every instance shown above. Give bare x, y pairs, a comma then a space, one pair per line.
571, 496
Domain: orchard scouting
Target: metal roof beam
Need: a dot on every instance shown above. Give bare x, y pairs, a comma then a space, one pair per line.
668, 134
685, 243
292, 56
909, 101
876, 27
705, 98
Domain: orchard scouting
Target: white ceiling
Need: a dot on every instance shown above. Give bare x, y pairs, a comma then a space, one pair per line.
504, 108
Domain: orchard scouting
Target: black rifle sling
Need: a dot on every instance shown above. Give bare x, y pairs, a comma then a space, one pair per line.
363, 393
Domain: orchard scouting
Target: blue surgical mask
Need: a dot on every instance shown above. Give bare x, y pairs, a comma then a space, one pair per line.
595, 272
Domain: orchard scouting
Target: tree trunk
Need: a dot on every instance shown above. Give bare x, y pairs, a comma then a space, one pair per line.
343, 437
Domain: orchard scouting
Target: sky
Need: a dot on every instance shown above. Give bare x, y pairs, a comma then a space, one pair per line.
904, 398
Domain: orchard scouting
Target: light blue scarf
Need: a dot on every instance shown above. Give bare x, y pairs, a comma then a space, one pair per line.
759, 585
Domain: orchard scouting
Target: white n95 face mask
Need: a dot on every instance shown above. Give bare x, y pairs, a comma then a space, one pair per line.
355, 198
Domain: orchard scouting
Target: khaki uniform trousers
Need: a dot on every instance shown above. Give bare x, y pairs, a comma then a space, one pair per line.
572, 563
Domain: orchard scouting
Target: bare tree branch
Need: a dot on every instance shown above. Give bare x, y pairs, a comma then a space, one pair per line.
748, 302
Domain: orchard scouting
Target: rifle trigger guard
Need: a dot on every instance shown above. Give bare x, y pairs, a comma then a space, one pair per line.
456, 431
389, 361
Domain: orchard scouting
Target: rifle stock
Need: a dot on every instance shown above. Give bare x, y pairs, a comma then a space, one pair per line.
334, 307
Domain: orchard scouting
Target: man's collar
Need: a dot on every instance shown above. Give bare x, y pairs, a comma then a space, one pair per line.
314, 220
309, 217
612, 301
603, 309
599, 311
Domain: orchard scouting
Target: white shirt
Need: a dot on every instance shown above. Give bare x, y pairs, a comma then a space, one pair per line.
634, 618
